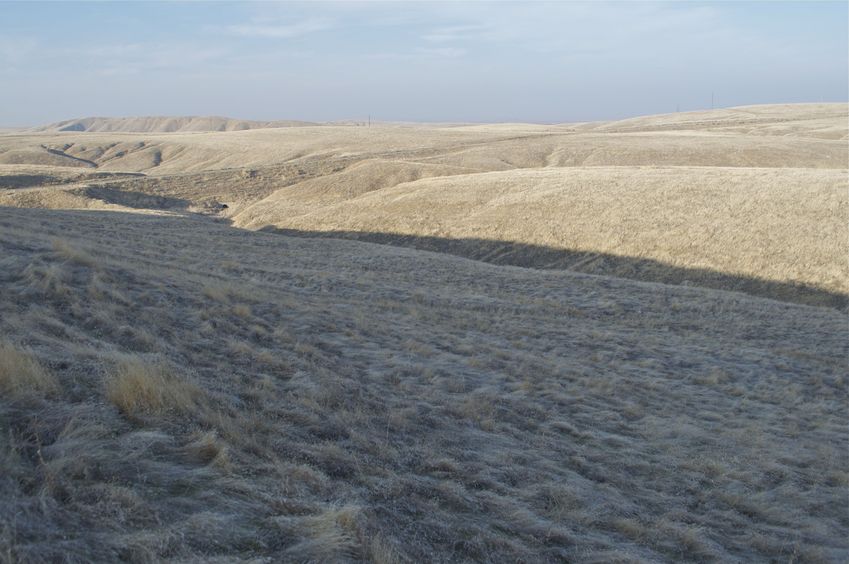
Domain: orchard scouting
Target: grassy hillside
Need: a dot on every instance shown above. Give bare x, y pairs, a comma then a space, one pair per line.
751, 199
162, 124
764, 227
175, 388
804, 135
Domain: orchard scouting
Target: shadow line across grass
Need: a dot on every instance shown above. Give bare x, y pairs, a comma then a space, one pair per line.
635, 268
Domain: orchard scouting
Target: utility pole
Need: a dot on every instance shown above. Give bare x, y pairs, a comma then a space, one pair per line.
369, 120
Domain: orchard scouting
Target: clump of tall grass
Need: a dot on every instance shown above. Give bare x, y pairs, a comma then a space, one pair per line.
138, 388
22, 373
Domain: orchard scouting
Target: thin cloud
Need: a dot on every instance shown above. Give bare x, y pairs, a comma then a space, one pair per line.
14, 50
246, 53
279, 31
418, 54
449, 52
455, 33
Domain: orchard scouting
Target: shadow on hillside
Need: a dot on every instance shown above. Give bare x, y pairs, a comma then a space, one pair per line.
502, 253
12, 181
27, 180
541, 257
135, 200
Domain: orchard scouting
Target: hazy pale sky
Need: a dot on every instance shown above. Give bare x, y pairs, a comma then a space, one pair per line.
435, 61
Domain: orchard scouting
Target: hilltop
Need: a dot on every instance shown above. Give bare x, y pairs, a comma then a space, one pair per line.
162, 124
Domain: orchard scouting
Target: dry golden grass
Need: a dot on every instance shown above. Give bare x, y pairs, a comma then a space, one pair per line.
777, 225
21, 373
387, 405
657, 198
208, 448
808, 135
163, 124
64, 250
137, 388
236, 395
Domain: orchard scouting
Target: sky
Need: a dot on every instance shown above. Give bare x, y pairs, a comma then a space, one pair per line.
402, 61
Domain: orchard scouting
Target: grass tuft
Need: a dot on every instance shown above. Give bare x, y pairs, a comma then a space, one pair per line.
71, 254
207, 448
21, 373
141, 388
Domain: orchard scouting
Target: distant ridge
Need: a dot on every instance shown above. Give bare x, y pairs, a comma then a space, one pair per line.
163, 124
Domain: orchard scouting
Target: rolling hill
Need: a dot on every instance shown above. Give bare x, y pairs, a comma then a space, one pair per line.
175, 388
599, 342
659, 198
162, 124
